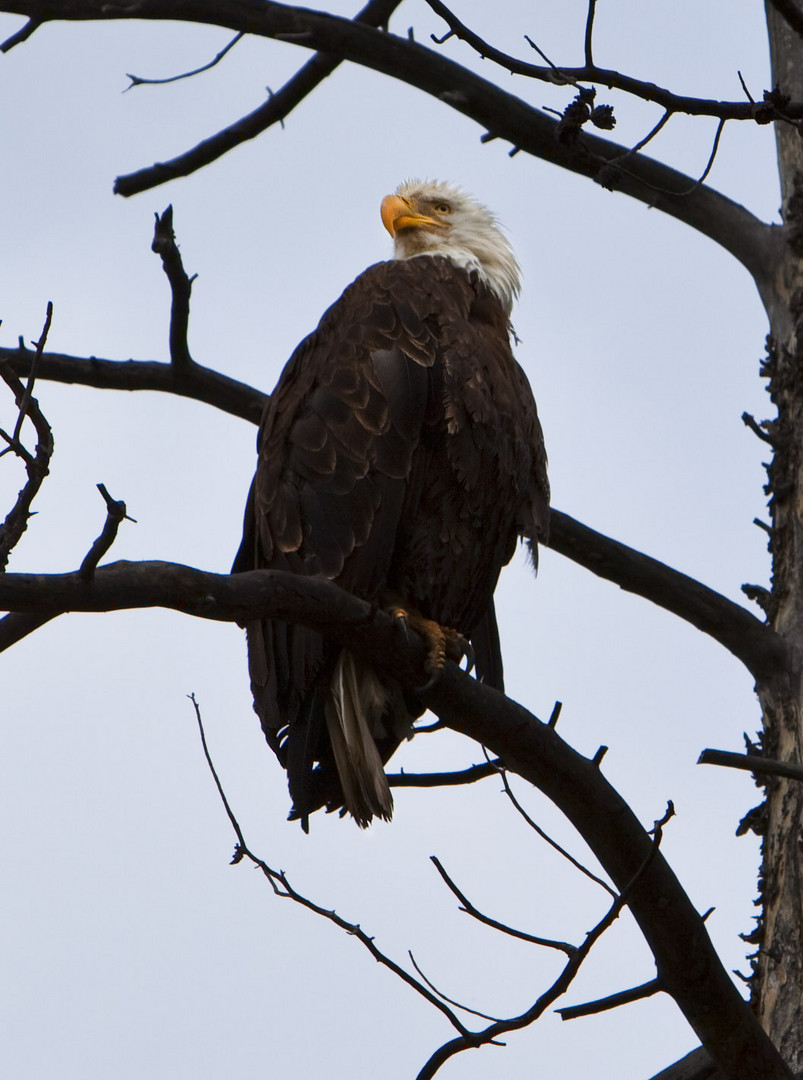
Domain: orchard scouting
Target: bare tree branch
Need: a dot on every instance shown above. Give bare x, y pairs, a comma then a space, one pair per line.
136, 80
115, 513
448, 1000
470, 909
559, 986
753, 763
502, 114
592, 6
19, 624
613, 1001
275, 110
164, 245
21, 35
37, 465
759, 648
197, 382
444, 779
548, 839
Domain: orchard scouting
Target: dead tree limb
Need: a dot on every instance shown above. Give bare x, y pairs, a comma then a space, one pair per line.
686, 962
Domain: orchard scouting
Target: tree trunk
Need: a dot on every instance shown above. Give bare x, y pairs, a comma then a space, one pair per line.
778, 983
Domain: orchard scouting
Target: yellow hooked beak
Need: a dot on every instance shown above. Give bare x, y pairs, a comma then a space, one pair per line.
398, 214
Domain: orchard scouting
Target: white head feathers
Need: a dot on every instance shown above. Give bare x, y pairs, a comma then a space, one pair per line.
429, 217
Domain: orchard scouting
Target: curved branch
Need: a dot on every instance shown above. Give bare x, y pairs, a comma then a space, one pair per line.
470, 909
686, 962
760, 649
502, 114
136, 80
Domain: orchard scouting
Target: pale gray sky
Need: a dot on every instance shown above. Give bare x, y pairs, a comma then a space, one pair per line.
129, 946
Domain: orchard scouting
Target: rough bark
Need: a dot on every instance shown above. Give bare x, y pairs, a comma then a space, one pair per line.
778, 985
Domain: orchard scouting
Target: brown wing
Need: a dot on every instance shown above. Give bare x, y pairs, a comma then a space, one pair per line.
391, 461
335, 454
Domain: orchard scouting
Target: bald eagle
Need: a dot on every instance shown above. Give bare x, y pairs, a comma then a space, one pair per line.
401, 456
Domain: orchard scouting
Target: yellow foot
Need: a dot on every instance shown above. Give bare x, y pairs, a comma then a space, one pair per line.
443, 643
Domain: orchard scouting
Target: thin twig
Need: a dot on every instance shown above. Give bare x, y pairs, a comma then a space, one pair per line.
710, 164
592, 5
668, 114
559, 76
609, 165
450, 1001
545, 836
37, 359
137, 81
747, 93
470, 909
613, 1001
445, 779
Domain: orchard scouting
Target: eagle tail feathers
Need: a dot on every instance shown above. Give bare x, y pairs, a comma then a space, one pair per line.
353, 708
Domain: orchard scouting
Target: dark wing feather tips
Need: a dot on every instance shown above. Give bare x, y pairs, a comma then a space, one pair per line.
401, 456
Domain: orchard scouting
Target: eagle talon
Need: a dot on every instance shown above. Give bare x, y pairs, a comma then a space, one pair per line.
443, 643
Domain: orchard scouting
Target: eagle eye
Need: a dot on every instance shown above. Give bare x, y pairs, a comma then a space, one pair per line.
442, 208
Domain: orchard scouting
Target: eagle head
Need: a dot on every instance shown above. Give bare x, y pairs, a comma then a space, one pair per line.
429, 217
